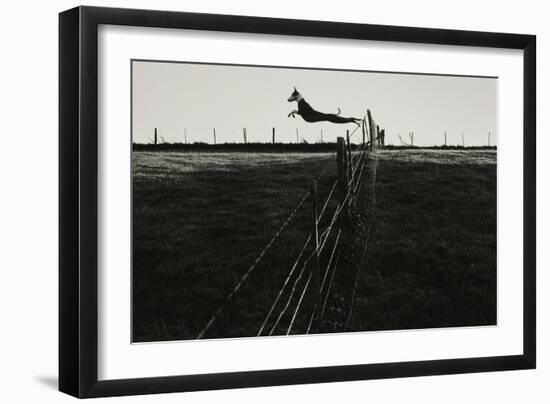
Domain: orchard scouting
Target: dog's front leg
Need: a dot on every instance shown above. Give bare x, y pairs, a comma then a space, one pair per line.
293, 113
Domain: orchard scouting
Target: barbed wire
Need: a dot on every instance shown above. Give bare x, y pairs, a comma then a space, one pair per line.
299, 304
253, 266
330, 284
310, 323
294, 266
291, 295
327, 270
327, 201
324, 238
326, 234
370, 212
359, 161
330, 259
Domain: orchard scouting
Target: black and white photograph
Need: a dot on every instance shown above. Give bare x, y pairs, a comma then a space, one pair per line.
275, 202
279, 201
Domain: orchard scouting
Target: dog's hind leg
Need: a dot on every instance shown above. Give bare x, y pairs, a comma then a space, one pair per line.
339, 119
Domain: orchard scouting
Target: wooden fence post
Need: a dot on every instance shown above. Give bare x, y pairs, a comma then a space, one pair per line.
185, 134
321, 135
371, 129
383, 138
214, 130
349, 162
377, 136
273, 131
445, 134
351, 200
342, 172
297, 137
244, 136
155, 140
364, 129
489, 139
340, 165
463, 144
317, 270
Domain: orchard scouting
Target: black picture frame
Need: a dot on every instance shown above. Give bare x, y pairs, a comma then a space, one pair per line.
78, 201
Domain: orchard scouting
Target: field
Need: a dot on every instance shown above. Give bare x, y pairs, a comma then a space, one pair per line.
432, 256
201, 218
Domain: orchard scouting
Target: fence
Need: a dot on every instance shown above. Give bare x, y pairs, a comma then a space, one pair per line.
375, 135
304, 294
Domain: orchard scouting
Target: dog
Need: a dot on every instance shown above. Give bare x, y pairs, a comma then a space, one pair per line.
310, 115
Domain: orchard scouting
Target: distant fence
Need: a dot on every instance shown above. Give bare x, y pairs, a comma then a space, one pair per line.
374, 134
309, 275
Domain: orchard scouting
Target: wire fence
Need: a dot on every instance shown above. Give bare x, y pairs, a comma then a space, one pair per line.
301, 302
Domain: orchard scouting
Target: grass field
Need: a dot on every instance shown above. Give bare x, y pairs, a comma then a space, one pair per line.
432, 253
201, 218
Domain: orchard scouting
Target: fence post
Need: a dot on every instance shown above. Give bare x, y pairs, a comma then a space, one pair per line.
363, 129
341, 170
316, 270
371, 129
273, 136
350, 169
340, 165
214, 130
349, 160
383, 138
185, 134
342, 173
463, 144
155, 135
244, 136
348, 144
445, 134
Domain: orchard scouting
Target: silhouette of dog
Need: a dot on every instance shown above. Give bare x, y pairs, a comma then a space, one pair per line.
310, 115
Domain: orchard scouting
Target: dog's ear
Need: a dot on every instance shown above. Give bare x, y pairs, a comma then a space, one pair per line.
295, 88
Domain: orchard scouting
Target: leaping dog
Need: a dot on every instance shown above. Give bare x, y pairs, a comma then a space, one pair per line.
310, 115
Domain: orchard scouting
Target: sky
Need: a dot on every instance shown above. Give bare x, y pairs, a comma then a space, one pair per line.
179, 98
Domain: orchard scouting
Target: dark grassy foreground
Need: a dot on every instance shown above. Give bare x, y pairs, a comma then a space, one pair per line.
201, 218
432, 255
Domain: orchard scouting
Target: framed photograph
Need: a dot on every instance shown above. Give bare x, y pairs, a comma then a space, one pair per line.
251, 201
